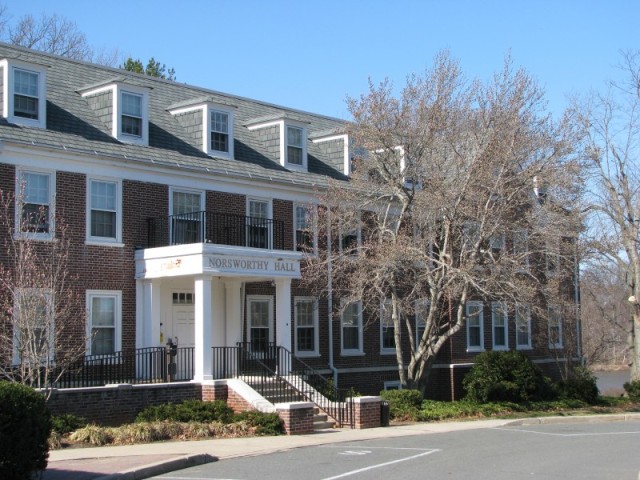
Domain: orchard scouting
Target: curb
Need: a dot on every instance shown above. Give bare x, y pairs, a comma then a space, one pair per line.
161, 467
579, 419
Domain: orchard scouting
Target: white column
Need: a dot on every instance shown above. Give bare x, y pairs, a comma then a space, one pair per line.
203, 355
283, 313
140, 318
219, 330
233, 317
151, 313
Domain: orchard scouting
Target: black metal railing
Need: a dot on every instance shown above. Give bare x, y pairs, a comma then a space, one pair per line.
143, 365
216, 228
279, 376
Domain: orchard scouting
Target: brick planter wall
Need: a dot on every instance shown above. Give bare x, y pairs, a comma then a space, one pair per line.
297, 417
367, 412
116, 404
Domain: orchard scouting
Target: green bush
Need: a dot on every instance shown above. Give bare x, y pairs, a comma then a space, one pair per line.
265, 423
67, 423
25, 426
633, 389
506, 377
188, 411
581, 385
403, 404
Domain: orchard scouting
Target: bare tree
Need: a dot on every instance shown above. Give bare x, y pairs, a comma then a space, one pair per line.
462, 189
612, 123
41, 314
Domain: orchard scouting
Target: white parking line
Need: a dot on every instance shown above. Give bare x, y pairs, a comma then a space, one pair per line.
372, 467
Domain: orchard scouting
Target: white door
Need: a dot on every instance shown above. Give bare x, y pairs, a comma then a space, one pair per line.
184, 333
259, 322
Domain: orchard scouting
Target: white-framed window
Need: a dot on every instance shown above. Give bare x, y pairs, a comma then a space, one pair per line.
499, 326
131, 114
104, 210
523, 326
35, 204
521, 247
220, 128
34, 341
351, 327
392, 385
422, 313
260, 322
186, 208
305, 313
104, 327
259, 223
350, 238
387, 329
23, 90
554, 320
305, 234
296, 150
475, 326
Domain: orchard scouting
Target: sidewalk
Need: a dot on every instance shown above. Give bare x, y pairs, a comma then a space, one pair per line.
132, 462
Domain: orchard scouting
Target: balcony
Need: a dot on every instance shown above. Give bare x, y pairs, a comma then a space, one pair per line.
215, 228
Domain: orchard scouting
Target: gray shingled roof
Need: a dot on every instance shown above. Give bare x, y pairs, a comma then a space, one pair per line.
72, 125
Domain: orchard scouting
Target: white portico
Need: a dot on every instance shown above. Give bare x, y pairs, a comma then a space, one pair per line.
195, 292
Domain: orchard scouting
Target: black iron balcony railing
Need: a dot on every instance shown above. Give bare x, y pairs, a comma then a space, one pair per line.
217, 228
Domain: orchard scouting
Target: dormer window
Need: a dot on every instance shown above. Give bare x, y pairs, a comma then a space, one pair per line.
23, 93
210, 123
131, 122
123, 108
219, 131
295, 147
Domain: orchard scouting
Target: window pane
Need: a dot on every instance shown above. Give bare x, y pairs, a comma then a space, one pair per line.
25, 83
132, 126
103, 311
258, 209
219, 142
184, 202
103, 195
36, 188
131, 105
350, 338
219, 122
294, 137
103, 341
305, 339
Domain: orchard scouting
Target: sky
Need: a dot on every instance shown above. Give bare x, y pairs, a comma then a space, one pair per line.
312, 55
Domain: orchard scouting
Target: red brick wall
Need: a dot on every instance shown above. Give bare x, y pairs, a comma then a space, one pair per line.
297, 421
367, 412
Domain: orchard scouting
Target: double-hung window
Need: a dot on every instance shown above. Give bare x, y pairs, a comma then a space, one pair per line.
219, 131
131, 114
304, 232
475, 326
521, 248
523, 326
104, 310
34, 327
499, 327
258, 231
35, 201
295, 146
305, 311
387, 328
104, 210
25, 94
186, 221
352, 329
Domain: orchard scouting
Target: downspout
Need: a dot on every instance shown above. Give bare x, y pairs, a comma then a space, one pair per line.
576, 293
332, 367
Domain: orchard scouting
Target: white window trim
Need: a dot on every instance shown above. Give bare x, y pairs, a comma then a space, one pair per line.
560, 343
284, 144
116, 119
494, 307
527, 309
206, 130
114, 242
383, 306
8, 67
52, 339
313, 212
392, 385
316, 323
271, 316
50, 235
352, 351
190, 191
475, 348
269, 203
117, 294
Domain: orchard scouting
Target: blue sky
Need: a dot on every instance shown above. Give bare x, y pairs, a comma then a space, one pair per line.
311, 55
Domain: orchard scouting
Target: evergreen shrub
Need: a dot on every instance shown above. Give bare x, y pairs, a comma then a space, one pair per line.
580, 385
633, 389
25, 426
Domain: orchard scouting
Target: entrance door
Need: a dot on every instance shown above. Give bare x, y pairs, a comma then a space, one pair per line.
259, 322
184, 332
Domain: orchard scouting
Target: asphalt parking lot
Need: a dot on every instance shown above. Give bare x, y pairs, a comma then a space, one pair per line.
559, 451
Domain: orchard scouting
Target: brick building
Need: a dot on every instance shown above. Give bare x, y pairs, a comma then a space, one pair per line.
187, 209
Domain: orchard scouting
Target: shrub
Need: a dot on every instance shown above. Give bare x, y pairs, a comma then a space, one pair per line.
67, 423
93, 435
403, 404
580, 385
506, 377
264, 423
25, 426
633, 389
188, 411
